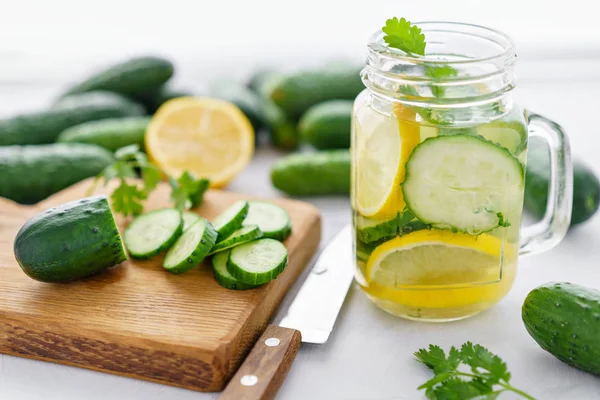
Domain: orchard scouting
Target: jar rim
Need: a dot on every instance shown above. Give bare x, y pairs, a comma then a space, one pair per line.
508, 51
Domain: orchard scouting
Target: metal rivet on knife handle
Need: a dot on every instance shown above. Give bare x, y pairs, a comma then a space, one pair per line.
272, 342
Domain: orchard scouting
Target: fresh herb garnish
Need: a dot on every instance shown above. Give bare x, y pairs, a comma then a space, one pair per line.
401, 34
128, 197
489, 376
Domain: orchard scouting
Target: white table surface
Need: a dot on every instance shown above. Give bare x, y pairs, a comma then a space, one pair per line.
369, 355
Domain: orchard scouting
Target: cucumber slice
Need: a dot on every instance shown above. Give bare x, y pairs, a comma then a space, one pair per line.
463, 183
223, 277
273, 221
242, 235
189, 219
191, 247
363, 251
257, 262
371, 231
231, 219
150, 234
511, 135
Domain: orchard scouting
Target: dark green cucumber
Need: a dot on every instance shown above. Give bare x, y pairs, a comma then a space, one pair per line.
257, 262
153, 101
261, 81
318, 173
297, 92
42, 127
249, 102
327, 125
70, 242
191, 247
374, 232
132, 78
223, 277
564, 319
274, 222
282, 131
29, 174
231, 219
586, 186
152, 233
99, 99
112, 134
189, 218
243, 235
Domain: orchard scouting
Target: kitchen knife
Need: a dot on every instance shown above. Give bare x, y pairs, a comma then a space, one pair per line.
310, 319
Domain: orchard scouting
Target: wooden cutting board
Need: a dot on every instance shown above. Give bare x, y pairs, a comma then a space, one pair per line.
136, 319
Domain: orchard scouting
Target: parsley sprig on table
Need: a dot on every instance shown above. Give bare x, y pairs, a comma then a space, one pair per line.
128, 197
489, 376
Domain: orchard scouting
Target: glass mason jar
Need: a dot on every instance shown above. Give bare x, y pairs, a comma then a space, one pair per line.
438, 160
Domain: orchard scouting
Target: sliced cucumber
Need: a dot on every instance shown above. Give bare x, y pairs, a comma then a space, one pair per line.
511, 135
191, 247
463, 183
257, 262
231, 219
371, 231
363, 251
189, 218
223, 277
152, 233
242, 235
273, 221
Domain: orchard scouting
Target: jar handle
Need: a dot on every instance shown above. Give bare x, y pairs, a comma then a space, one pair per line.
547, 233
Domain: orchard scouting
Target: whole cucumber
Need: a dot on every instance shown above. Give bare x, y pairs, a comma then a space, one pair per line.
564, 319
586, 186
29, 174
318, 173
327, 125
112, 134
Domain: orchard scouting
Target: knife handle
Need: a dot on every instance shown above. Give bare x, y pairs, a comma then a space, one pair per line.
265, 368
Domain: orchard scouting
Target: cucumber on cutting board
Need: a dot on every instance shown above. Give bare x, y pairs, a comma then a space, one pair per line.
231, 219
189, 218
463, 183
327, 125
223, 277
112, 134
272, 220
564, 319
69, 242
257, 262
191, 247
152, 233
42, 127
586, 186
317, 173
29, 174
134, 78
243, 235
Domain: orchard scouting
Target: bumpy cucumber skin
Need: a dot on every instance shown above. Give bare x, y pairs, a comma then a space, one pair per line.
254, 278
327, 125
112, 134
564, 319
43, 127
164, 246
586, 186
297, 92
227, 281
134, 77
230, 241
70, 242
234, 224
29, 174
308, 174
204, 246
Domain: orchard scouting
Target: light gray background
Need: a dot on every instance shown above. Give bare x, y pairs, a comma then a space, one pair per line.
369, 356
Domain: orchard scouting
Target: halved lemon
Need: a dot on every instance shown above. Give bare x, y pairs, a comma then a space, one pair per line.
208, 137
384, 144
433, 257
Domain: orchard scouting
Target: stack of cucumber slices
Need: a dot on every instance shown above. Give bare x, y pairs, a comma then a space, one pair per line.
244, 241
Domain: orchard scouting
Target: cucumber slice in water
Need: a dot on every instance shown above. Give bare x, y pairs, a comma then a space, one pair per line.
191, 247
273, 221
231, 219
242, 235
257, 262
189, 218
150, 234
463, 183
223, 277
374, 232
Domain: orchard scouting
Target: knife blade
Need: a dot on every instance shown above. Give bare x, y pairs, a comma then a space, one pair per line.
310, 318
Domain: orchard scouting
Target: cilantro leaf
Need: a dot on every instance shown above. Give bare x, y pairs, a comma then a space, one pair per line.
127, 152
502, 220
151, 177
400, 34
188, 192
127, 199
439, 73
478, 356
